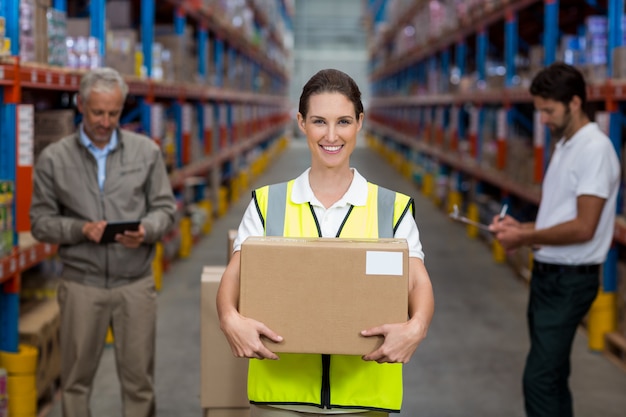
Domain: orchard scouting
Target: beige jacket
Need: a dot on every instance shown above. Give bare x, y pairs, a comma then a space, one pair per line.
66, 195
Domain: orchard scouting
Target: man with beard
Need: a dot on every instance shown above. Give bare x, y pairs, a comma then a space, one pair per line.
571, 235
101, 174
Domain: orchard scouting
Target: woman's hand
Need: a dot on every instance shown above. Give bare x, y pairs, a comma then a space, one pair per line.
401, 340
244, 336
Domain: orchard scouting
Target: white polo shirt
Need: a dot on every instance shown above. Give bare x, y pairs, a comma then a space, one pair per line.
586, 164
330, 219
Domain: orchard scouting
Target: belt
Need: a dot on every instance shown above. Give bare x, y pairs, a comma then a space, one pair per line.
567, 269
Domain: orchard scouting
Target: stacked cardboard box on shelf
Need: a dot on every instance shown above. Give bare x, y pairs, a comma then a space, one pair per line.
83, 50
180, 58
519, 166
6, 217
39, 326
52, 125
120, 50
2, 35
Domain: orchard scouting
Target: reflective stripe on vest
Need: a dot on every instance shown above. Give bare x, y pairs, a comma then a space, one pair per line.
298, 379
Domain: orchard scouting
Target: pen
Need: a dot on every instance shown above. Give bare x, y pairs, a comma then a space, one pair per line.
503, 212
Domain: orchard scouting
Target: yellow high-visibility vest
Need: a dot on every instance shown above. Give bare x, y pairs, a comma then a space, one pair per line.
328, 381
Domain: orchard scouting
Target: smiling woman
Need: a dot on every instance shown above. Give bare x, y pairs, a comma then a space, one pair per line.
332, 200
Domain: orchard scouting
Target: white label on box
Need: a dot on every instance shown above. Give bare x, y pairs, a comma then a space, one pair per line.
383, 263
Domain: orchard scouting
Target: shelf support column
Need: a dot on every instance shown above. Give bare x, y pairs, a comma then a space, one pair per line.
481, 55
550, 39
180, 21
97, 11
12, 18
510, 47
203, 37
616, 12
550, 30
505, 116
232, 67
60, 5
208, 127
10, 97
456, 124
219, 62
147, 33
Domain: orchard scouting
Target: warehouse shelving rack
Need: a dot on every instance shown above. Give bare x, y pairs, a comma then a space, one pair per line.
231, 120
414, 125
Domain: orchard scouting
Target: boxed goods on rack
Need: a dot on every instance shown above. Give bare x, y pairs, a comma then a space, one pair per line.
27, 33
52, 125
39, 327
6, 217
181, 53
57, 51
2, 35
120, 50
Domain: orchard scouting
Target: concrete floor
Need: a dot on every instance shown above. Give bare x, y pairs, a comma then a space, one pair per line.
470, 364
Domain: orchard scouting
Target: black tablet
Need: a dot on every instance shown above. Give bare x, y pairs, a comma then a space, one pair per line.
113, 228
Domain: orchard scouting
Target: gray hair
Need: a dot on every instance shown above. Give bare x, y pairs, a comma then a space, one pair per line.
102, 79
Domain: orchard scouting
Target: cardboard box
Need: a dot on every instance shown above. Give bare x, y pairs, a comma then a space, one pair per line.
39, 326
319, 293
119, 13
224, 377
55, 122
120, 50
50, 126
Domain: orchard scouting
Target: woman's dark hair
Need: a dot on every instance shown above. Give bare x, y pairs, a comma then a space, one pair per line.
331, 81
560, 82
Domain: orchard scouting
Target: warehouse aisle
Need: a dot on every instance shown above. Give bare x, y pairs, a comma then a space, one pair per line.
470, 364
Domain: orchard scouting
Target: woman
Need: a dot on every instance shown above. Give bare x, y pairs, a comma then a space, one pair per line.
337, 197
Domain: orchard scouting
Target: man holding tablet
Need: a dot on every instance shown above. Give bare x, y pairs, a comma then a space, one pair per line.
103, 195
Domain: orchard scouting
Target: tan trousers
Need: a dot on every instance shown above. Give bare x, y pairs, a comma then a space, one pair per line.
265, 411
86, 313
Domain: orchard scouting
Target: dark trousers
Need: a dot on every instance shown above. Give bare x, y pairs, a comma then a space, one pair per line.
558, 302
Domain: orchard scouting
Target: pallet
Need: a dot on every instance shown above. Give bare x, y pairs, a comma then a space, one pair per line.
615, 349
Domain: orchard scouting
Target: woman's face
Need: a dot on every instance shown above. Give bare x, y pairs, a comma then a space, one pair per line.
331, 128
